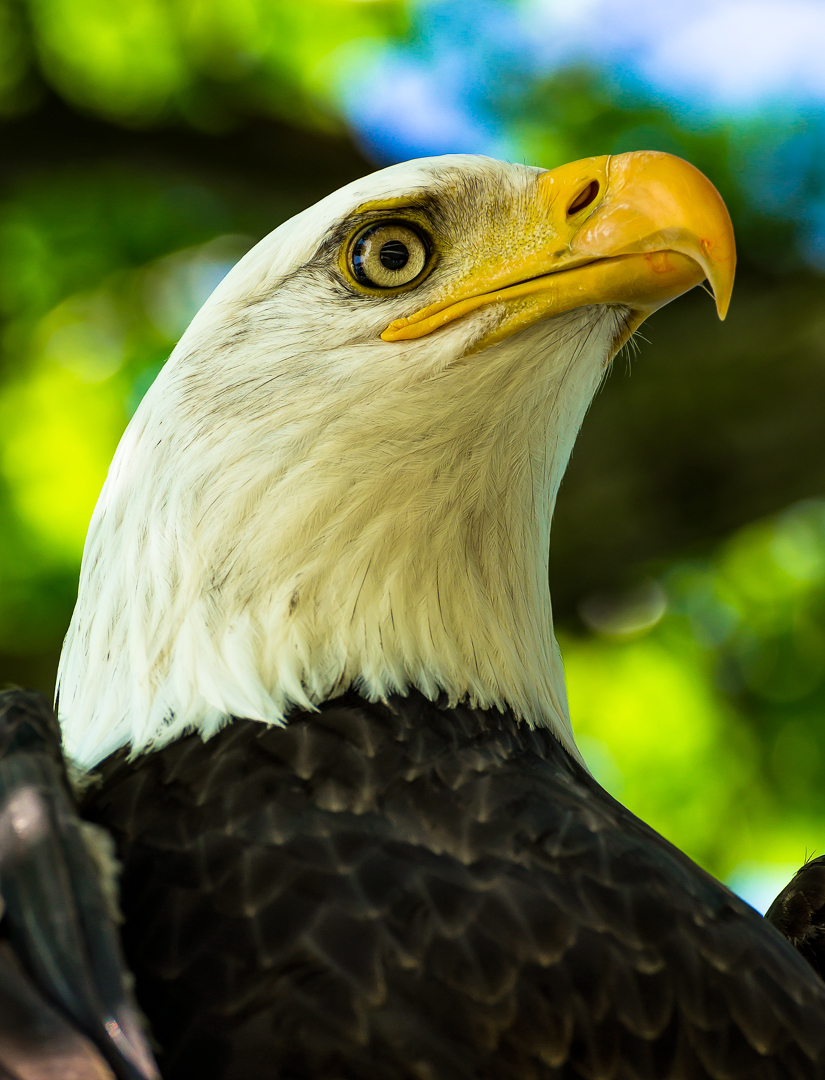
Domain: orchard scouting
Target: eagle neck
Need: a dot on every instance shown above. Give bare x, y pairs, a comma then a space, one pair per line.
267, 557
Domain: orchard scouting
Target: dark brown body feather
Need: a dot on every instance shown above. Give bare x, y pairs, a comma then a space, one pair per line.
799, 913
379, 892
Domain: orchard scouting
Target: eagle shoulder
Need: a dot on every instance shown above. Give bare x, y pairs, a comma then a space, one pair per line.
410, 890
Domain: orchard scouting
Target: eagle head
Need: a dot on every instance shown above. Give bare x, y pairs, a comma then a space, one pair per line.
344, 476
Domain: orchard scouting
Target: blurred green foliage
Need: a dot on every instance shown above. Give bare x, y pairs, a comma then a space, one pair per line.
147, 149
208, 63
702, 704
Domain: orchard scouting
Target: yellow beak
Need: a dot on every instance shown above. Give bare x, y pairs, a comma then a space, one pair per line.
635, 231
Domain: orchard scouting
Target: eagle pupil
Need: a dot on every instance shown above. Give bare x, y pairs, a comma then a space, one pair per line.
394, 255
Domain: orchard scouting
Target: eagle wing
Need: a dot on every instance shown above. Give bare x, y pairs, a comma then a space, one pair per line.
66, 1010
407, 890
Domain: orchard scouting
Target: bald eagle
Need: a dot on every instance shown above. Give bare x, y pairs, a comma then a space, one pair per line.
313, 680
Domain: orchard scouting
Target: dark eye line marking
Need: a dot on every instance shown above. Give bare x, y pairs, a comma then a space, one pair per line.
432, 215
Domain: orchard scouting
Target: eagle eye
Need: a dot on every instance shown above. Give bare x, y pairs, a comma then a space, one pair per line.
388, 255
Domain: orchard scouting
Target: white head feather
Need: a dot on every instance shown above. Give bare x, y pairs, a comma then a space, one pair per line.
298, 506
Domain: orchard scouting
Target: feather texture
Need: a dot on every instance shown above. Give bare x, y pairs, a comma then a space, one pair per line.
298, 506
408, 891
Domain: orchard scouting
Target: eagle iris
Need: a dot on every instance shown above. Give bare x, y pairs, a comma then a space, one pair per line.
388, 255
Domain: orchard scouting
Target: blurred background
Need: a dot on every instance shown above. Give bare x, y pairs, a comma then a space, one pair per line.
145, 146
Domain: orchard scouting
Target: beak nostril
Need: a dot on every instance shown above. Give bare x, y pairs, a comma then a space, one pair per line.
584, 198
